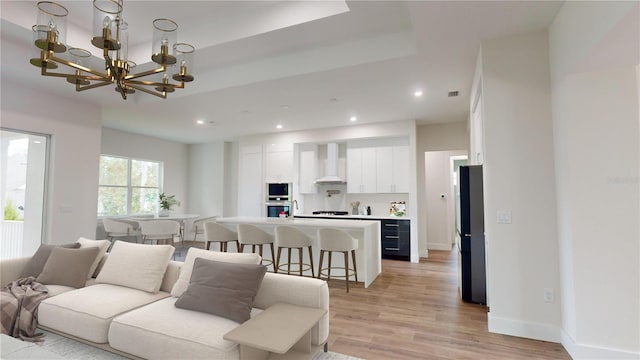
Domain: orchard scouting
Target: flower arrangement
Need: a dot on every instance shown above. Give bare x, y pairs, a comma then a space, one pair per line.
167, 201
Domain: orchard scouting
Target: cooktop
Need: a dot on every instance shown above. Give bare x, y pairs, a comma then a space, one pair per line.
326, 212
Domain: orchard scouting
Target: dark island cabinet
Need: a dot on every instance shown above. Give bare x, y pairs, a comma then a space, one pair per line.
396, 239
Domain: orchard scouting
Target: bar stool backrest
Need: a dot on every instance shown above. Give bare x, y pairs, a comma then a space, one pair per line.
287, 236
336, 240
250, 235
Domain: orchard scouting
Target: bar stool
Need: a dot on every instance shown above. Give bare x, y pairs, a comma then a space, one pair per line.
291, 238
252, 235
214, 232
334, 240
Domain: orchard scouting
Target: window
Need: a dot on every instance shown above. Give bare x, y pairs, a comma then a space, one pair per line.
128, 186
24, 159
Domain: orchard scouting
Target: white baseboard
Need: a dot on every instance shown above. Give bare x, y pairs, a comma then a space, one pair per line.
526, 329
580, 351
445, 247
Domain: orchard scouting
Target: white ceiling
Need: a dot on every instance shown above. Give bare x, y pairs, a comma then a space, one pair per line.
302, 64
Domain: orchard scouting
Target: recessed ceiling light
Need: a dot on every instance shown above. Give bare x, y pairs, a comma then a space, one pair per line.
200, 122
279, 126
417, 93
353, 118
285, 107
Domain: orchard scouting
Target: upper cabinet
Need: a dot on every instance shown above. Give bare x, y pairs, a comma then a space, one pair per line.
392, 169
307, 168
278, 163
361, 169
378, 166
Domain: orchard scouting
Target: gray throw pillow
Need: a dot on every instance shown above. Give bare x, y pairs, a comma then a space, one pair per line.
223, 289
68, 267
36, 263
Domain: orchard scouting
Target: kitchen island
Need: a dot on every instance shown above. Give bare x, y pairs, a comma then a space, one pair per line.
368, 254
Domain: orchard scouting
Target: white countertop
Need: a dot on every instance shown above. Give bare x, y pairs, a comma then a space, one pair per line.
356, 217
297, 222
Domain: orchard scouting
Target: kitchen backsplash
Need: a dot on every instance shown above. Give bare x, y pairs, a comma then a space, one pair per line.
379, 203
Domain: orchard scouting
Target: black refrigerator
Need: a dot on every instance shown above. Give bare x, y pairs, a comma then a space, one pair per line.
471, 246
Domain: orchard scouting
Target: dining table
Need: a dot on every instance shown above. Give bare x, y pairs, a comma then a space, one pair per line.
180, 218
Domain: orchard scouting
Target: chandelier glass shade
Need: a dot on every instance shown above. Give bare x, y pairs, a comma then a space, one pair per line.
111, 34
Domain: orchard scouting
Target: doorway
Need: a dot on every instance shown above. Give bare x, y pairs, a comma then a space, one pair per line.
23, 174
441, 197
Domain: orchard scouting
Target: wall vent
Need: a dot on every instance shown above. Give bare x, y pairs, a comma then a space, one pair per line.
453, 93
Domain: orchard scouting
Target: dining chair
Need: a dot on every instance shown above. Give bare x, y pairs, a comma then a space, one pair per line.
121, 228
197, 227
163, 231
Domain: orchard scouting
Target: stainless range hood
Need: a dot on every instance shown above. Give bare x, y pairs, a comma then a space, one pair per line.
331, 170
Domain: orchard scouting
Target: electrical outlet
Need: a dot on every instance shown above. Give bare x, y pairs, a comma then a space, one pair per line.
549, 296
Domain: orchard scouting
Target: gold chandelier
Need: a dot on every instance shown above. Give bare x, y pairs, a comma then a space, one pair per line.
110, 33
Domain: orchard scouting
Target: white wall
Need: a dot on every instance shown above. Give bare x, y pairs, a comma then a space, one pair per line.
519, 177
436, 137
72, 199
207, 176
596, 132
175, 157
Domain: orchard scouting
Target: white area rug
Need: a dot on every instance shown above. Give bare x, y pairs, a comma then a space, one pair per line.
71, 349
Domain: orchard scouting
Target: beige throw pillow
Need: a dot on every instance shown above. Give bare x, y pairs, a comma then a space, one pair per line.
223, 289
137, 266
103, 245
185, 272
35, 265
68, 267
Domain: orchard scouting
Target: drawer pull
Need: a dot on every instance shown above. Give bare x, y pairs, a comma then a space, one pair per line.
393, 249
392, 225
391, 237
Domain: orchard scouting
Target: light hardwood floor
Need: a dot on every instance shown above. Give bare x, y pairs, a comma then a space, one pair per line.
413, 311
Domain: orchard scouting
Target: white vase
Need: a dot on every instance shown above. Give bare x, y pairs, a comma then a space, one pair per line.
163, 212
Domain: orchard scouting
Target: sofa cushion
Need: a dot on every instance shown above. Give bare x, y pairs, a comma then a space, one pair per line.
185, 273
162, 331
87, 313
103, 245
69, 267
37, 261
223, 289
138, 266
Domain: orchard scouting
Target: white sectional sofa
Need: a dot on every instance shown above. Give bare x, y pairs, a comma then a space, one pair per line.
115, 315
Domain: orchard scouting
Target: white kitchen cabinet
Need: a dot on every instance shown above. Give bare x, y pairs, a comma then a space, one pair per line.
392, 164
361, 170
279, 163
307, 171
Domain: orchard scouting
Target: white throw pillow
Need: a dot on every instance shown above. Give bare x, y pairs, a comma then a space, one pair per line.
137, 266
103, 245
182, 283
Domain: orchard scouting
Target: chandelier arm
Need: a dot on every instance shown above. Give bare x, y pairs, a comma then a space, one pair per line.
151, 83
146, 73
92, 86
78, 67
151, 92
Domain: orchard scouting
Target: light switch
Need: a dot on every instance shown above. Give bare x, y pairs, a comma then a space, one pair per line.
504, 216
